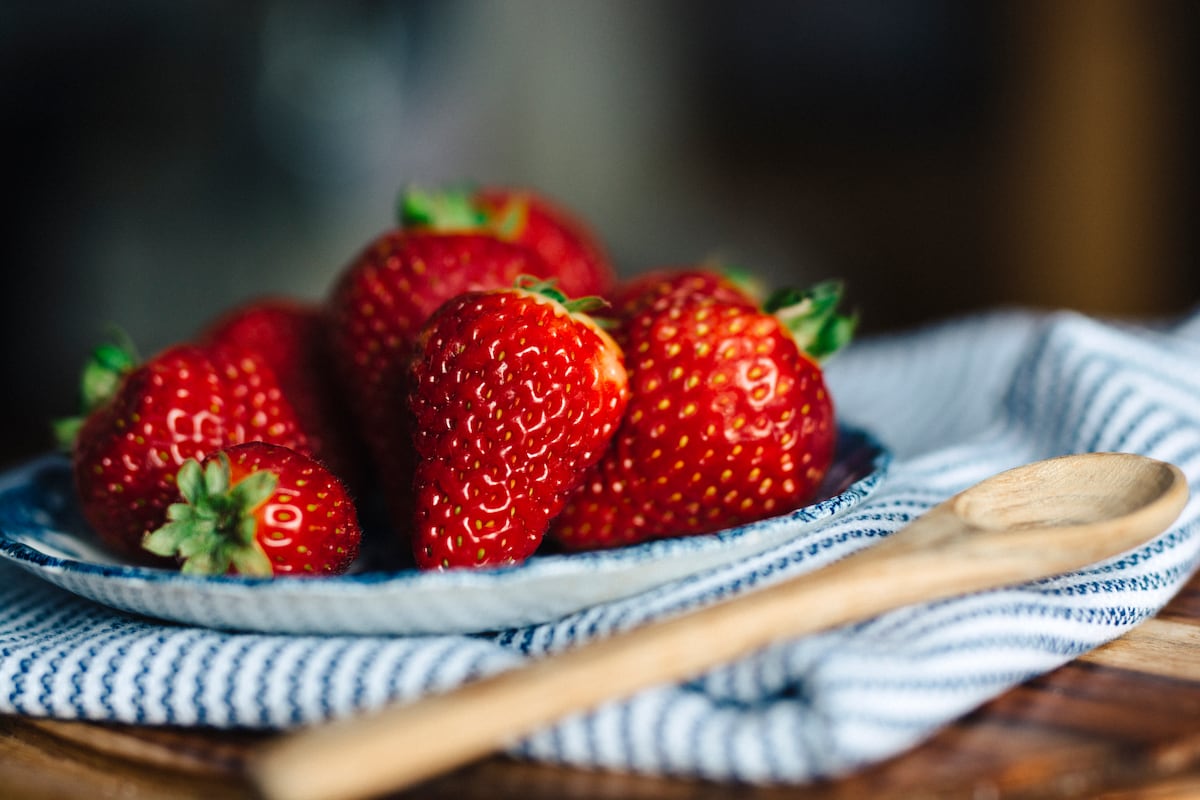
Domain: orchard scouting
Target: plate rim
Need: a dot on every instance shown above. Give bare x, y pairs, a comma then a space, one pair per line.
541, 567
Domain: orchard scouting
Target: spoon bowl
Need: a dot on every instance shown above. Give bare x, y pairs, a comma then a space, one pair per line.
1030, 522
1069, 491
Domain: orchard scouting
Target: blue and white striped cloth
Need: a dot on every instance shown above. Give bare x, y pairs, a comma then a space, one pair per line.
956, 402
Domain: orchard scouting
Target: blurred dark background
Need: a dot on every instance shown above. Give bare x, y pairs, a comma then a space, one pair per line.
169, 159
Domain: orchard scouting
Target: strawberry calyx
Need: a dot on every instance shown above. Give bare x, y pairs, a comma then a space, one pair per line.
448, 210
548, 288
812, 318
445, 210
108, 365
213, 528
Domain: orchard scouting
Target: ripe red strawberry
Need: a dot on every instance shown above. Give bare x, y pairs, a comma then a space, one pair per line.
291, 337
516, 393
187, 402
729, 420
377, 307
665, 287
577, 259
259, 509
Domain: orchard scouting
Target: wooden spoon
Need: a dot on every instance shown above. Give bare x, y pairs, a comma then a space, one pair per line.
1032, 522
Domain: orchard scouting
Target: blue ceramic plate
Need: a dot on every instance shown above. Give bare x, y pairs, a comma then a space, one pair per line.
42, 531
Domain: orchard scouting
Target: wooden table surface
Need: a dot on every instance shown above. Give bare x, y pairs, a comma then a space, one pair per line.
1122, 722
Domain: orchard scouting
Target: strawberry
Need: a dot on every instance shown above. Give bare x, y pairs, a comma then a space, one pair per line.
666, 287
577, 260
290, 336
377, 307
516, 392
187, 402
729, 419
259, 509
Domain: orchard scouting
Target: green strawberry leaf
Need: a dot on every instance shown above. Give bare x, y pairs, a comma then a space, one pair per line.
107, 366
216, 476
190, 481
251, 561
811, 316
166, 540
548, 287
253, 490
445, 210
213, 527
66, 431
102, 375
205, 564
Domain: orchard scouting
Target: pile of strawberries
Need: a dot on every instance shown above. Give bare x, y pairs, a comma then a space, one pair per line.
481, 367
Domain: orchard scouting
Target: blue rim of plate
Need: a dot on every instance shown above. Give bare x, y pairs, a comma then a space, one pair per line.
43, 487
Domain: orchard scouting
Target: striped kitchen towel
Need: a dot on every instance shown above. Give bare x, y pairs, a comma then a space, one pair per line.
955, 402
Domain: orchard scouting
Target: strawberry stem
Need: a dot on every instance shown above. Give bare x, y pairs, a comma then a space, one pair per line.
213, 528
811, 316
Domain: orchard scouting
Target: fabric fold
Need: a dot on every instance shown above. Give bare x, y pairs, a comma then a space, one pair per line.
956, 402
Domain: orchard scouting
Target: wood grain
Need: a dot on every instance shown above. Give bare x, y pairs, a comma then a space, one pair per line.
1159, 647
1110, 725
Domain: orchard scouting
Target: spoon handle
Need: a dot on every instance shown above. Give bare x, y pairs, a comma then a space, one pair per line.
402, 745
1031, 522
